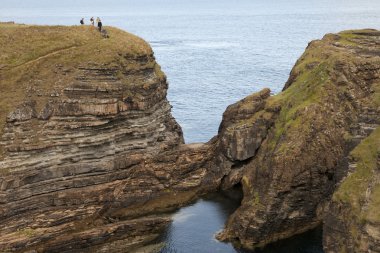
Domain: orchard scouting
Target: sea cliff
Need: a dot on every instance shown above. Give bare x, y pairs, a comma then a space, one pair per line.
90, 153
302, 138
92, 160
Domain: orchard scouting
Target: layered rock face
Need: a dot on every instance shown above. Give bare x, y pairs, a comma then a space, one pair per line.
290, 150
90, 152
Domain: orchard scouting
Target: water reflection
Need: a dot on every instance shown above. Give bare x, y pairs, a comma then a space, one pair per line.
193, 229
194, 226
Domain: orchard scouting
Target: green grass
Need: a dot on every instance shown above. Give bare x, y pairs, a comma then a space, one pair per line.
21, 43
348, 38
376, 94
308, 89
311, 88
351, 195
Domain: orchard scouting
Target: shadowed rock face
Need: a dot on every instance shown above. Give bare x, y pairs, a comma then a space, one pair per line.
91, 159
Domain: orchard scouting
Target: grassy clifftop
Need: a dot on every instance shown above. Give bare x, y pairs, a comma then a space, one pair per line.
23, 43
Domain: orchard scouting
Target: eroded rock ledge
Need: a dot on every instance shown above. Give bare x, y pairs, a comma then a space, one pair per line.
92, 160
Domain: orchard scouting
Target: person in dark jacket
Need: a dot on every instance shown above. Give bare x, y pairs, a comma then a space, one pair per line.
100, 25
82, 21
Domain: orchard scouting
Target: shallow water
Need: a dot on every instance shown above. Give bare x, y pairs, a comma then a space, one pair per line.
194, 227
214, 53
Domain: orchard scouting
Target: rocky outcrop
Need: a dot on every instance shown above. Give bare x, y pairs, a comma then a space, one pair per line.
241, 133
301, 138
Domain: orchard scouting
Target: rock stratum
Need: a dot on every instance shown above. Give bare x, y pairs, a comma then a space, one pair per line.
91, 159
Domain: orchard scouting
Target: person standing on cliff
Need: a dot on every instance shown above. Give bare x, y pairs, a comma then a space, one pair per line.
82, 21
92, 20
99, 24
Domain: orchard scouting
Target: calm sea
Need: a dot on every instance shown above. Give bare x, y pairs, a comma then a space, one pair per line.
214, 53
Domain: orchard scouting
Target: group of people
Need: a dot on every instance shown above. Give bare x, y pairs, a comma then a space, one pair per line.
92, 20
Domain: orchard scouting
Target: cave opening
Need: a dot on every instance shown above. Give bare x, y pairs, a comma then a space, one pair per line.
235, 193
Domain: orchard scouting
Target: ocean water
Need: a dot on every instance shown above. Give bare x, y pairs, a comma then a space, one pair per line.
214, 52
194, 227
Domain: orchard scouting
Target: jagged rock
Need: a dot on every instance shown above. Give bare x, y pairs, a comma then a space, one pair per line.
239, 133
24, 112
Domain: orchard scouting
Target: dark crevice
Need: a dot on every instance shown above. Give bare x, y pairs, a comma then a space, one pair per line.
310, 241
234, 193
240, 164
